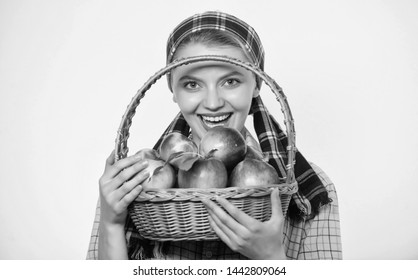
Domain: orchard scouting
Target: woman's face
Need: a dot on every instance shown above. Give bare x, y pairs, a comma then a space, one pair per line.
213, 93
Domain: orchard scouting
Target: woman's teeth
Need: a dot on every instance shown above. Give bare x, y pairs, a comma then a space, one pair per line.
215, 121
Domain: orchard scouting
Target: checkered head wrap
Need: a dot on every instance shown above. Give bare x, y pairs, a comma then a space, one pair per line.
218, 21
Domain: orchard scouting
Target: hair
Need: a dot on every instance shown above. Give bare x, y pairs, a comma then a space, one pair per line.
212, 37
218, 38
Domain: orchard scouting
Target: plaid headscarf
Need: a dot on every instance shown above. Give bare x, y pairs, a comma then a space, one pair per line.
222, 22
218, 21
311, 193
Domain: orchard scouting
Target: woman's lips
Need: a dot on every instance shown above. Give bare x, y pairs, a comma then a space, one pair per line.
218, 120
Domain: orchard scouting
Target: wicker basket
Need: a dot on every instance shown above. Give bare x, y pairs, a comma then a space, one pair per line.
178, 214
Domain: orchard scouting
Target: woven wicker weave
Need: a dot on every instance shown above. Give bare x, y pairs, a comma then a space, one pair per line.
178, 214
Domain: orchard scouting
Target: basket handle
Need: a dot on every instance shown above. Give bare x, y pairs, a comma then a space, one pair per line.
121, 147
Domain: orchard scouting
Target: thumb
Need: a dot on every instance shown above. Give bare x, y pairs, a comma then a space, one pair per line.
110, 160
276, 205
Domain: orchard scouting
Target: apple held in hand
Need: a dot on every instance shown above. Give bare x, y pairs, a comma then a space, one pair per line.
224, 143
204, 173
253, 172
147, 153
162, 175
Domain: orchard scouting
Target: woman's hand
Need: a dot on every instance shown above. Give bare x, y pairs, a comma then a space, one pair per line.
120, 184
246, 235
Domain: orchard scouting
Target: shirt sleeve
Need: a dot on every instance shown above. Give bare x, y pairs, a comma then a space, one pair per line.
92, 253
320, 237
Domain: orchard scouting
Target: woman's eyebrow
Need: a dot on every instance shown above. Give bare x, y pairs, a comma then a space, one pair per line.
191, 77
233, 73
188, 78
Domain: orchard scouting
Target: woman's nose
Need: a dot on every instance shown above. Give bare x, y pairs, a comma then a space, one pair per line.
213, 99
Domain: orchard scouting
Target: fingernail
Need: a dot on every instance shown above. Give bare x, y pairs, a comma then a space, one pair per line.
142, 164
138, 156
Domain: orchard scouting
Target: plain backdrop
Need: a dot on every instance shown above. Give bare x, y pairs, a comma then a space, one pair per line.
68, 69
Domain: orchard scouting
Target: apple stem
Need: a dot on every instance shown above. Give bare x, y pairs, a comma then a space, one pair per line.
210, 154
156, 170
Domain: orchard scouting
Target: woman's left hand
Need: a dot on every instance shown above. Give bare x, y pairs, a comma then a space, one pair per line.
246, 235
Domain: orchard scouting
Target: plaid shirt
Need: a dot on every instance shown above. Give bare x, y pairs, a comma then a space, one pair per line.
317, 238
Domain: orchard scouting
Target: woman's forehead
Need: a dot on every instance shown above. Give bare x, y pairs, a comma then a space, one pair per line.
198, 49
211, 70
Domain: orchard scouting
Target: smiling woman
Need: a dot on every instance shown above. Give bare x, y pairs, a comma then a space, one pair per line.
211, 94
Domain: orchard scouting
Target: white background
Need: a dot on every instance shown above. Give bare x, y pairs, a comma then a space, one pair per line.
68, 69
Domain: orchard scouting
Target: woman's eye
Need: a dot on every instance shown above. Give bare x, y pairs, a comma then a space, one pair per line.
231, 82
191, 85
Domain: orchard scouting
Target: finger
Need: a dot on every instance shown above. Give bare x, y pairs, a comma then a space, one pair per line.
219, 232
220, 229
276, 205
122, 164
128, 186
129, 172
110, 160
111, 184
237, 214
130, 197
224, 221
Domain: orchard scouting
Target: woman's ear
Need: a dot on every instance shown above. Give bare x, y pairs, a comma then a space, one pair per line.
256, 92
174, 98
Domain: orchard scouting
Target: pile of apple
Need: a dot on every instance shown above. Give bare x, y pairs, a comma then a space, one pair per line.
222, 159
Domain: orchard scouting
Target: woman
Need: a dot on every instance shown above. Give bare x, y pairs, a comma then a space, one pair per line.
211, 94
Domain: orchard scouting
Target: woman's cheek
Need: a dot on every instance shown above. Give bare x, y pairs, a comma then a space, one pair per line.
240, 101
186, 102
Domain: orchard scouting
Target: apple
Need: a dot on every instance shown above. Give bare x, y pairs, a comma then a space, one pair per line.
224, 143
174, 145
253, 172
162, 175
147, 153
253, 153
204, 173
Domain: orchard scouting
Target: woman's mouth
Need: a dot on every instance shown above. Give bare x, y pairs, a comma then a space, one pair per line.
212, 121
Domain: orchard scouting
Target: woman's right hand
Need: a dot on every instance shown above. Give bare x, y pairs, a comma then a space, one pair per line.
119, 185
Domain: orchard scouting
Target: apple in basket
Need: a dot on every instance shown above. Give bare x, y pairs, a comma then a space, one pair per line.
162, 174
253, 172
176, 147
147, 154
204, 173
224, 143
253, 153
